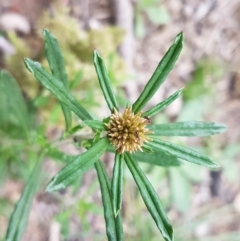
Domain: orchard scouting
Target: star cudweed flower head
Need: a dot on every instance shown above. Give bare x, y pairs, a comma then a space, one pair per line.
127, 134
127, 131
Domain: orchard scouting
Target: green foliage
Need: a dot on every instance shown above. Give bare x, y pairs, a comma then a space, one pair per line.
160, 74
56, 63
104, 82
14, 115
182, 153
188, 128
199, 86
151, 199
15, 128
159, 158
162, 105
113, 224
56, 87
179, 196
117, 183
77, 46
78, 166
156, 13
18, 221
155, 151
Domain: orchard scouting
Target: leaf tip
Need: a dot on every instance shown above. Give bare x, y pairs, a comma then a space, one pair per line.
48, 188
179, 92
45, 31
223, 127
51, 187
96, 54
215, 165
179, 37
182, 89
27, 63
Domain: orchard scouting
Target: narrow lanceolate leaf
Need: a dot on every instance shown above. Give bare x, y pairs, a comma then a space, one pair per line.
95, 124
78, 166
56, 63
162, 105
19, 218
118, 219
160, 74
150, 198
113, 225
188, 128
117, 183
158, 158
104, 81
57, 88
181, 152
55, 154
13, 110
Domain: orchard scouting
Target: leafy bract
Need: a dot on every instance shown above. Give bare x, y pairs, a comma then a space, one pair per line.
78, 166
181, 152
113, 224
162, 105
56, 63
57, 88
55, 154
104, 82
117, 183
95, 124
156, 157
160, 74
188, 128
159, 158
150, 198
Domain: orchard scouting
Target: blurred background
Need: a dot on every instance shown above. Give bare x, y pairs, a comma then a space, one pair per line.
132, 36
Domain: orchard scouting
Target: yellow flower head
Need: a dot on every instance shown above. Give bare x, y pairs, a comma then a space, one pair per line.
127, 131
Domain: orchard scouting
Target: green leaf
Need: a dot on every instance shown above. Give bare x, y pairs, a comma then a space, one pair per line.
104, 81
188, 128
158, 15
118, 219
78, 166
55, 154
113, 225
117, 183
160, 74
144, 4
150, 198
57, 88
95, 124
19, 218
13, 110
182, 152
181, 197
162, 105
72, 131
140, 28
56, 63
158, 158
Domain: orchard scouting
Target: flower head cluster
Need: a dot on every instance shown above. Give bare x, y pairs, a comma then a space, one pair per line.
127, 131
